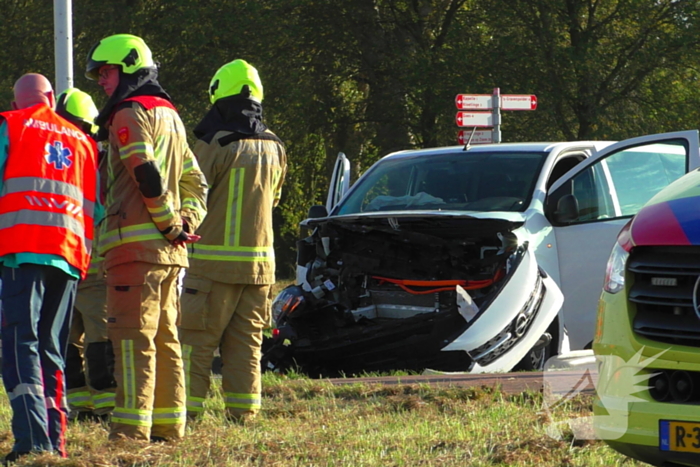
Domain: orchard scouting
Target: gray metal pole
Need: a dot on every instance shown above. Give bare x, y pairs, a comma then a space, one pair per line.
496, 115
63, 44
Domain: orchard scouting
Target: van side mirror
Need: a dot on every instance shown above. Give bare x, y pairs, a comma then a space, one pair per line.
318, 211
567, 209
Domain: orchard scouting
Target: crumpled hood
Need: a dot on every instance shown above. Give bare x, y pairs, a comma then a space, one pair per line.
500, 220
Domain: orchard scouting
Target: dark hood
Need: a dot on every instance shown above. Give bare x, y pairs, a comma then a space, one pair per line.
143, 82
238, 114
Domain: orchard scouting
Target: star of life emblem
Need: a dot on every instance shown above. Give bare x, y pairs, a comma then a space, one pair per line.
57, 155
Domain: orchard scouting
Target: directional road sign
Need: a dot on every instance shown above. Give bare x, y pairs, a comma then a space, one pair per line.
474, 101
477, 119
486, 101
479, 137
518, 102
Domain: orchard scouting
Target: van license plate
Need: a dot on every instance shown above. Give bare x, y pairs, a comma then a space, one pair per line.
679, 436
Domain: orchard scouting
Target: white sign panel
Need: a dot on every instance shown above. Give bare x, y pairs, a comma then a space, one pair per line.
474, 101
477, 119
518, 102
479, 137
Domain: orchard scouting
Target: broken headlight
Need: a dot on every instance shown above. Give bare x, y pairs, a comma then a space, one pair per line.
290, 300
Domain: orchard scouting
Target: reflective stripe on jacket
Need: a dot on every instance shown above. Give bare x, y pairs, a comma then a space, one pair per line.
47, 202
147, 137
245, 183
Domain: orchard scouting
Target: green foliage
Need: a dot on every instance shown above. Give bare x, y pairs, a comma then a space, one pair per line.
367, 77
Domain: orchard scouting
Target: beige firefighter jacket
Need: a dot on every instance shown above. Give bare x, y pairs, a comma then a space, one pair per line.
153, 182
245, 183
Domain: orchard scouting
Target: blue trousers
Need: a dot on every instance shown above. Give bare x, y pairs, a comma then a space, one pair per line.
37, 303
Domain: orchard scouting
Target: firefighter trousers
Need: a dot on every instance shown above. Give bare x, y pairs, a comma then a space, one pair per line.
142, 313
90, 359
37, 301
230, 317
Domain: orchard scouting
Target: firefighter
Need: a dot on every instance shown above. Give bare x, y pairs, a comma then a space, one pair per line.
155, 199
48, 171
89, 350
225, 292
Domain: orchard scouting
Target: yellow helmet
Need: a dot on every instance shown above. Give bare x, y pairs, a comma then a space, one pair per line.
129, 52
230, 79
77, 107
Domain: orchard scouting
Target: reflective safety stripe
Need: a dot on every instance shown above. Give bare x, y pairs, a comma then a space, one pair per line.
195, 404
227, 253
43, 218
52, 404
103, 400
79, 399
134, 417
187, 364
130, 234
189, 165
134, 148
129, 372
160, 213
242, 401
193, 204
170, 416
95, 262
235, 201
50, 187
26, 390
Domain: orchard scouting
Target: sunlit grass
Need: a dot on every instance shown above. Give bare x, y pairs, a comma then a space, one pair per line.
306, 422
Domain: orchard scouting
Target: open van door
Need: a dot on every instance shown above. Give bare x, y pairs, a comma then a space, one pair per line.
340, 181
590, 204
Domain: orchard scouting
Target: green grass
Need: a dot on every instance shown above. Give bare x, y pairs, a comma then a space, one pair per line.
308, 422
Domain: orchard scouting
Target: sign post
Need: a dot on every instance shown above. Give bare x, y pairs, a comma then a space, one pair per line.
63, 44
496, 115
494, 102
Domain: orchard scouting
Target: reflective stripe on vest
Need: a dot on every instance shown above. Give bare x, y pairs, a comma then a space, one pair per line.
48, 197
169, 416
242, 401
45, 218
133, 417
130, 234
52, 187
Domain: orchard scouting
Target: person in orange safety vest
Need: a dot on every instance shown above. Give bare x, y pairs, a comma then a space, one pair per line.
48, 188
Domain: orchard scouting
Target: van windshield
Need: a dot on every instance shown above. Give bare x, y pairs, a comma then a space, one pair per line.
479, 181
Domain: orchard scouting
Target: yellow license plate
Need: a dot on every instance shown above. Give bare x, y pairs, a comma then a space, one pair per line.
679, 436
